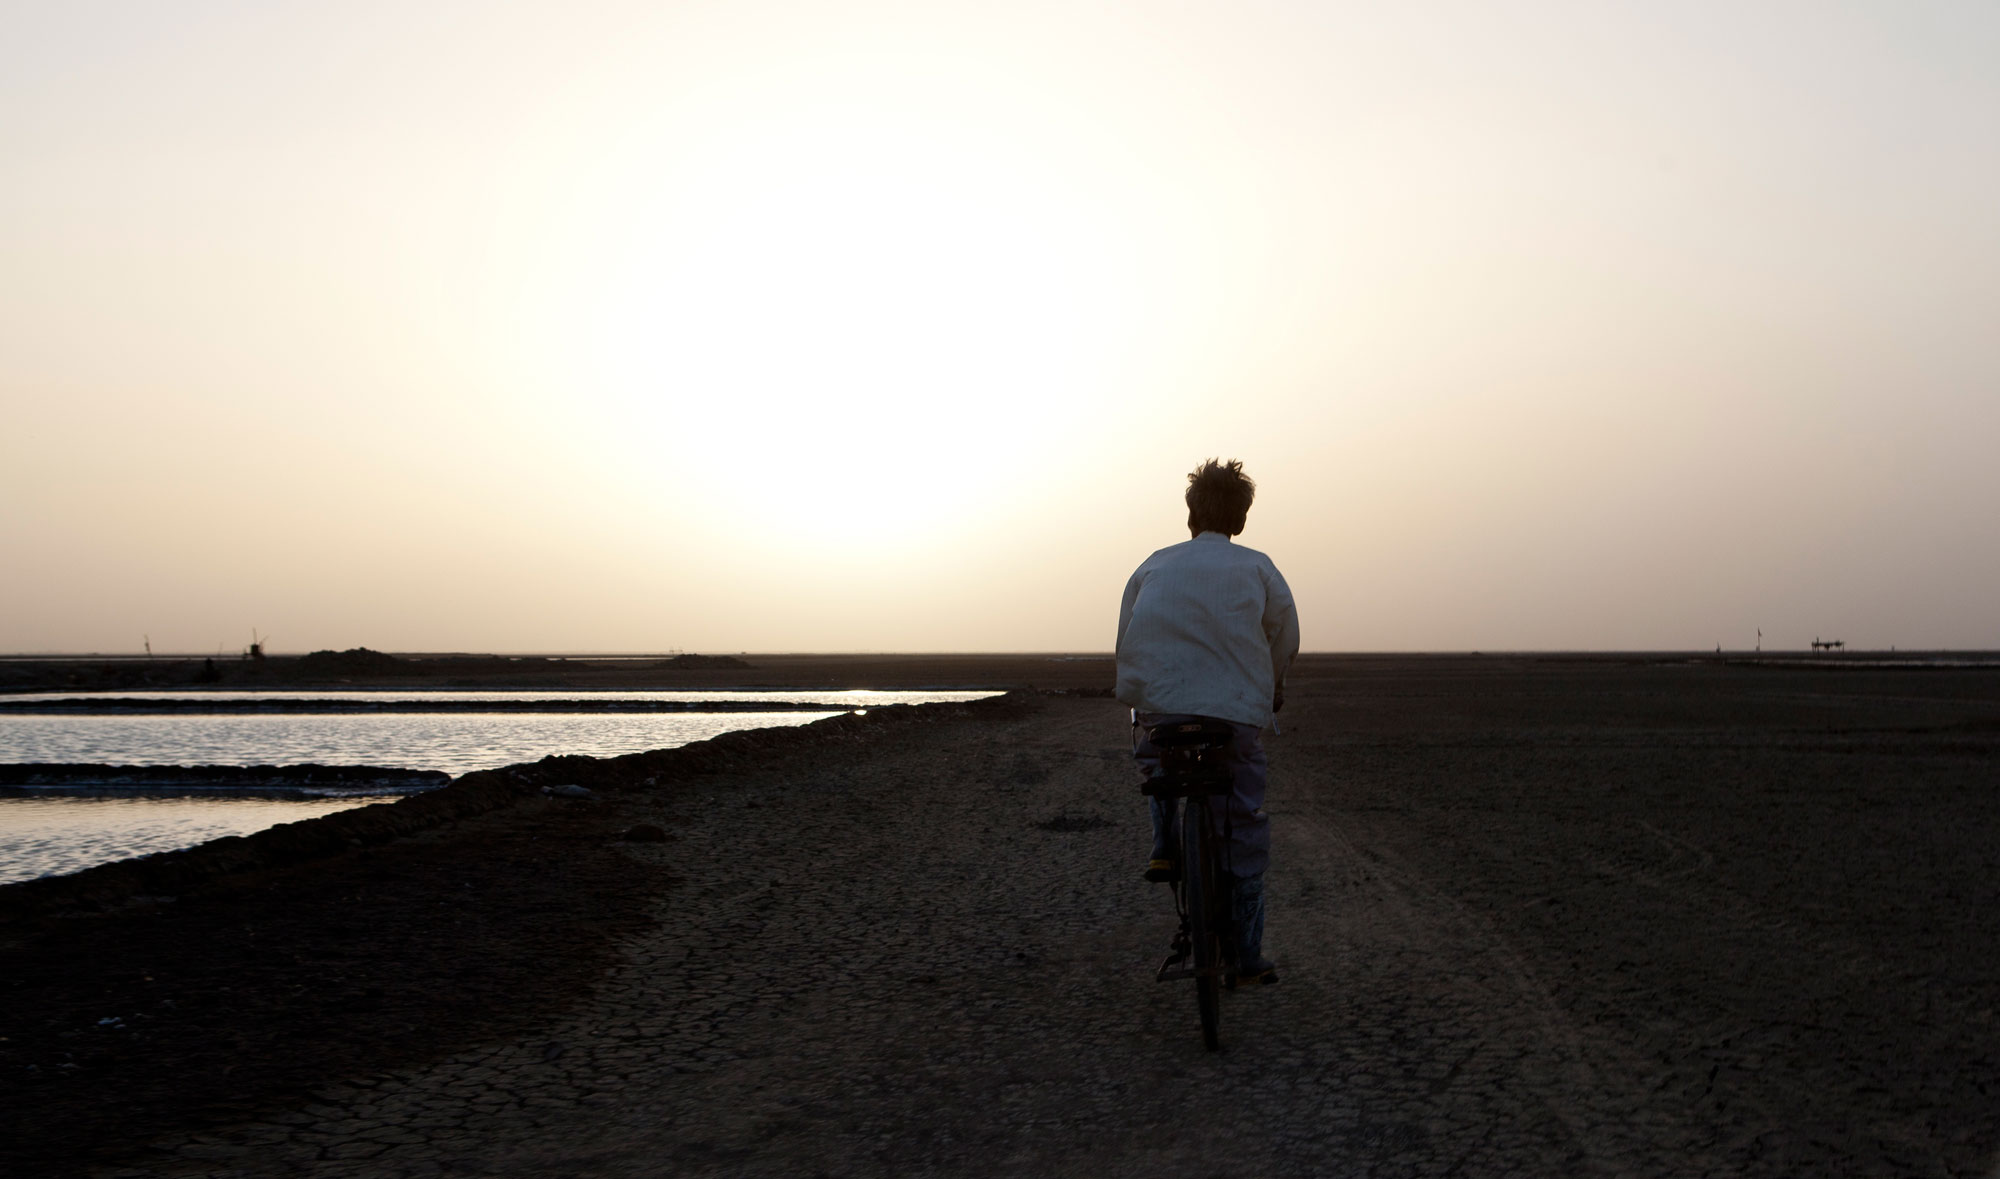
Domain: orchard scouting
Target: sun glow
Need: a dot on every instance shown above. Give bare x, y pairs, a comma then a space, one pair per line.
842, 307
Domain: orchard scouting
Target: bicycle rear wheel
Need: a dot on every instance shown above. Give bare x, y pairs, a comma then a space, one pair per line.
1198, 891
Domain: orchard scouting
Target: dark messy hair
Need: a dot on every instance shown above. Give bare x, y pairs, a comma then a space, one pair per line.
1218, 497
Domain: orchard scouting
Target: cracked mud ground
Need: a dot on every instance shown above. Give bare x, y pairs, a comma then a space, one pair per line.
1535, 917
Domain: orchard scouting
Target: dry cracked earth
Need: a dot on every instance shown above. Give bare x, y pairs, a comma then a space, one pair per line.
1533, 917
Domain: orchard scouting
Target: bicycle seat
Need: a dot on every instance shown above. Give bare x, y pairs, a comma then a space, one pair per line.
1201, 734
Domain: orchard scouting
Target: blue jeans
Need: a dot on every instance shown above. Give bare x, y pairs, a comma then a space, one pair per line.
1247, 852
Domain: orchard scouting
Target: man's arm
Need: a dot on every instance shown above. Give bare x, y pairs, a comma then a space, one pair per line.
1125, 606
1281, 630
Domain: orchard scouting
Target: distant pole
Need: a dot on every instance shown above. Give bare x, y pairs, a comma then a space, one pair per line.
1760, 638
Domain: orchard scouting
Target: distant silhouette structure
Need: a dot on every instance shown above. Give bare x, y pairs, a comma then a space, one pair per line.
1828, 644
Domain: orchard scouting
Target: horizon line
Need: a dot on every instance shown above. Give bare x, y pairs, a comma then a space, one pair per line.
1049, 652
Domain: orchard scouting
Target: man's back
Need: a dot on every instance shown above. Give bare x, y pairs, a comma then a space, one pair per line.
1207, 628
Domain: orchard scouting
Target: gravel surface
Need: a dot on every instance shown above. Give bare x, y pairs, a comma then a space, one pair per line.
1534, 918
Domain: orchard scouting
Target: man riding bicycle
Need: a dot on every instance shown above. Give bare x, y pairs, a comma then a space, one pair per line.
1206, 631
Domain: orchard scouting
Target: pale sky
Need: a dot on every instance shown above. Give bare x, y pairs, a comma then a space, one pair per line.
757, 326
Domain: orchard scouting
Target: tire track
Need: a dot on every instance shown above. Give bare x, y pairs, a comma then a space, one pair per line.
1595, 1089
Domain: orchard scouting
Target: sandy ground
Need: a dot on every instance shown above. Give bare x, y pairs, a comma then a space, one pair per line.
1535, 916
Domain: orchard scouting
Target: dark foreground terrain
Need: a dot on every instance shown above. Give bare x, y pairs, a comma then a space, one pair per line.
1536, 916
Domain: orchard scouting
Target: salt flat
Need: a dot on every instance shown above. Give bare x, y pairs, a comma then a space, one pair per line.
1536, 916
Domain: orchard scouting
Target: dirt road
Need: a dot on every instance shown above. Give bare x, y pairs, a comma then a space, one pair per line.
1533, 920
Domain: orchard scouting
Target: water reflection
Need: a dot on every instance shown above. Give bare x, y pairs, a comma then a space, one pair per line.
48, 836
843, 698
43, 835
455, 742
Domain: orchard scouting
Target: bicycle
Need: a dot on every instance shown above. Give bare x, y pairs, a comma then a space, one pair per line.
1191, 764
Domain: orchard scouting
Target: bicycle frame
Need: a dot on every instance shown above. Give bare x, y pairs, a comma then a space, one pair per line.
1192, 774
1209, 886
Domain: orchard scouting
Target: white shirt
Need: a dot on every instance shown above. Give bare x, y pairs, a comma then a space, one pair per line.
1206, 628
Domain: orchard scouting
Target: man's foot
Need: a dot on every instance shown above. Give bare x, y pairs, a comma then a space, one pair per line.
1258, 972
1163, 870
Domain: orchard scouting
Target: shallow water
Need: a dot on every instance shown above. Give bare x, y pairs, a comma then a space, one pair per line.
842, 699
455, 742
44, 836
56, 834
50, 836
